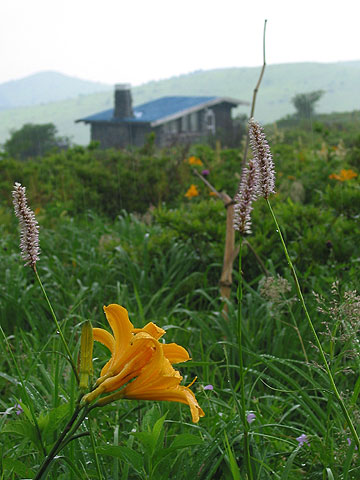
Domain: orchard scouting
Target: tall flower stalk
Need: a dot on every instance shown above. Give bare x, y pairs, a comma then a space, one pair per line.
30, 252
263, 158
247, 194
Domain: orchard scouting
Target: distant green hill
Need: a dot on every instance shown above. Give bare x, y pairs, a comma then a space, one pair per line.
340, 81
45, 87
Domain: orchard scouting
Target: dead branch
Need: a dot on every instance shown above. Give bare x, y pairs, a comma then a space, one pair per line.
256, 89
231, 251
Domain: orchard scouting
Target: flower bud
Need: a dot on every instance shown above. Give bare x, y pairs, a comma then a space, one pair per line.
86, 351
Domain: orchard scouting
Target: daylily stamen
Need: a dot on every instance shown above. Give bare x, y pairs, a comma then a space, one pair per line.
192, 383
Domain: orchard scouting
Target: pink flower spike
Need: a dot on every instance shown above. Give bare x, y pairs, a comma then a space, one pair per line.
247, 193
29, 227
208, 387
263, 158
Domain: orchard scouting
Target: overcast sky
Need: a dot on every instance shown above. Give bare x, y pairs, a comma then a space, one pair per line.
135, 41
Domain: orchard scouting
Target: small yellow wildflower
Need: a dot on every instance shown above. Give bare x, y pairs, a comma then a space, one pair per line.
192, 192
195, 161
344, 175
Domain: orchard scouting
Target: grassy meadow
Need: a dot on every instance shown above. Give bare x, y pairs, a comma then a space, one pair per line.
118, 227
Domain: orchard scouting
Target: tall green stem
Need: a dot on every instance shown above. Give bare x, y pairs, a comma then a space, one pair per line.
241, 364
317, 341
97, 463
50, 457
71, 360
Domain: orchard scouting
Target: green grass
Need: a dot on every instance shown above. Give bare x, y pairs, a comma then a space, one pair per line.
80, 274
164, 267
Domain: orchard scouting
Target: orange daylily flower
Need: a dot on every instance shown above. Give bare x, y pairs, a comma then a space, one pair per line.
344, 175
195, 161
192, 191
141, 363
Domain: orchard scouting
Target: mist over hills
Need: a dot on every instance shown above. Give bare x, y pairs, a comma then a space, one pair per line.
53, 97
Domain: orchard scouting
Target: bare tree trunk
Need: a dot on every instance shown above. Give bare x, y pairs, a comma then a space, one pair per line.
230, 253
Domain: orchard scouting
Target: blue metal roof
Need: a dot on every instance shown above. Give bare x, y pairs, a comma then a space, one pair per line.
151, 111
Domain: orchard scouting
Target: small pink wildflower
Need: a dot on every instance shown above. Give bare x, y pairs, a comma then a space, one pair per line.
349, 443
303, 439
250, 417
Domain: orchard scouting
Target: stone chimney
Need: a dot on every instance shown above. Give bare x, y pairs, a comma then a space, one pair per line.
123, 101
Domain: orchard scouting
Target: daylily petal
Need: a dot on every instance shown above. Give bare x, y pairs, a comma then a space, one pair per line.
175, 353
159, 381
152, 329
104, 337
180, 394
120, 324
139, 353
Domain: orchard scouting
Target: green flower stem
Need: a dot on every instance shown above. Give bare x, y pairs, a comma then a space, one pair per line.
70, 439
317, 341
71, 360
241, 365
59, 443
93, 445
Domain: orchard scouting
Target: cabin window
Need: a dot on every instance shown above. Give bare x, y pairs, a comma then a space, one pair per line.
171, 127
210, 121
185, 123
194, 122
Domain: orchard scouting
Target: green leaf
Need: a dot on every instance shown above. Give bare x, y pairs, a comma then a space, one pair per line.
149, 418
126, 454
356, 392
43, 421
235, 472
181, 441
27, 412
329, 474
24, 428
157, 430
17, 467
185, 440
348, 460
51, 420
288, 465
147, 441
150, 440
9, 378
